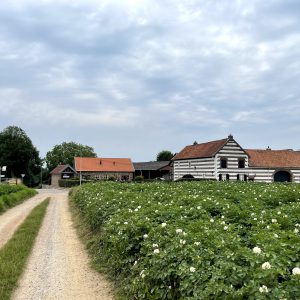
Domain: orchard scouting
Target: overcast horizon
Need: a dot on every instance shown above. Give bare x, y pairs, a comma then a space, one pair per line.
132, 78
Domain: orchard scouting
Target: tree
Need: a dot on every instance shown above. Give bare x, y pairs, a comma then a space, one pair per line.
164, 155
19, 155
64, 154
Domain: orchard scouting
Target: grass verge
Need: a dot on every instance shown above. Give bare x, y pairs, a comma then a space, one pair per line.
12, 199
86, 236
14, 254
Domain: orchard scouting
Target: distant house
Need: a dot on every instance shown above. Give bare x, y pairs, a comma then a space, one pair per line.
103, 168
61, 172
153, 169
226, 160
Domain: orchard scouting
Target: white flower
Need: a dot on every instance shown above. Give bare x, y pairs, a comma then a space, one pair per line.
155, 246
178, 230
142, 274
225, 227
275, 235
192, 269
125, 223
266, 266
182, 242
135, 263
156, 251
145, 236
296, 230
212, 220
163, 224
197, 243
263, 289
256, 250
296, 271
274, 221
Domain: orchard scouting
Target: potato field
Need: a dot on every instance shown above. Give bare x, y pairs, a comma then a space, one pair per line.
195, 240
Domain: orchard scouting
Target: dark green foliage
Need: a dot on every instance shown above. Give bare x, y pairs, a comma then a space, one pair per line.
66, 183
19, 155
139, 178
63, 154
164, 155
14, 254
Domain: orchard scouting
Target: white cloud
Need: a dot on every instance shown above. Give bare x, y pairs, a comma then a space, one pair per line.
181, 65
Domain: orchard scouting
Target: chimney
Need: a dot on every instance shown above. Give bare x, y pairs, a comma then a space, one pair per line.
268, 148
230, 136
195, 143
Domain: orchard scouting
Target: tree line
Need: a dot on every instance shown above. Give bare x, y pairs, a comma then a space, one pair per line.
20, 156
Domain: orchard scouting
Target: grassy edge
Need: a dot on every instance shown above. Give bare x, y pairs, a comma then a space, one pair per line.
85, 235
30, 193
14, 254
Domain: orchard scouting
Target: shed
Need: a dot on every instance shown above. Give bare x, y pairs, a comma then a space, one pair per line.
61, 172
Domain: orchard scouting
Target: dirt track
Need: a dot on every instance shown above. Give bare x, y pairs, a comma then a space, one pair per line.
58, 267
13, 218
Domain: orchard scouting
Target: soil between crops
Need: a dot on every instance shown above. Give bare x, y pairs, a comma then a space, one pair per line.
58, 267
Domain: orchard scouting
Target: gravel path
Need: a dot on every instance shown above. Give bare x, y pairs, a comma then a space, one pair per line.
14, 217
58, 267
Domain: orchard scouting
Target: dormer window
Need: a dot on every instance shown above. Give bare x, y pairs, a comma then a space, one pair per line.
241, 163
224, 163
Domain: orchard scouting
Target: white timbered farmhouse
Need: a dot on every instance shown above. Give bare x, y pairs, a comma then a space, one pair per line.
226, 160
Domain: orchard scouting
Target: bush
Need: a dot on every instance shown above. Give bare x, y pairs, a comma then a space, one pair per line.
139, 178
67, 183
111, 178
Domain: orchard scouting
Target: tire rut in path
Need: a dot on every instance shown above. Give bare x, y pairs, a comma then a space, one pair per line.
58, 267
14, 217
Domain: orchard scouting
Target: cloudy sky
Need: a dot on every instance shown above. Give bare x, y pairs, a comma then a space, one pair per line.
133, 77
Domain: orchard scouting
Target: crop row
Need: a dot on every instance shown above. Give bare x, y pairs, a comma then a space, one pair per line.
195, 240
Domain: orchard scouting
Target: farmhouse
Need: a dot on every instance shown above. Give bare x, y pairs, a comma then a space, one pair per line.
226, 160
104, 168
61, 172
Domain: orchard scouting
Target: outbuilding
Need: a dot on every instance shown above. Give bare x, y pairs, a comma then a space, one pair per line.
61, 172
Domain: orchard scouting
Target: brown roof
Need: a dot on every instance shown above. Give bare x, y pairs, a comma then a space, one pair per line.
96, 164
59, 169
274, 158
200, 150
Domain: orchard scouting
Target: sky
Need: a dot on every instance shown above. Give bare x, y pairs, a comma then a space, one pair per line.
133, 77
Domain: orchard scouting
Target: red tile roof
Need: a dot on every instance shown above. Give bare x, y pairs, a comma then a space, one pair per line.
92, 164
200, 150
59, 169
274, 158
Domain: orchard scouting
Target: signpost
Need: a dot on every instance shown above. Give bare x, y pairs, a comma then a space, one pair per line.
3, 169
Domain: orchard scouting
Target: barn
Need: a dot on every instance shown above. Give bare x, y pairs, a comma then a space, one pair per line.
104, 168
225, 159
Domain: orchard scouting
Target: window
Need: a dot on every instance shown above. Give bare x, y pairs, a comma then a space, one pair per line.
238, 177
245, 177
223, 163
227, 177
220, 177
241, 163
